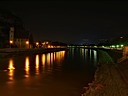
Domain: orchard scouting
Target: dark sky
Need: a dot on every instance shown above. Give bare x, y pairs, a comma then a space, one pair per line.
72, 21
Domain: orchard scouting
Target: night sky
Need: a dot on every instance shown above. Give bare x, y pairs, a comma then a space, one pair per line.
72, 21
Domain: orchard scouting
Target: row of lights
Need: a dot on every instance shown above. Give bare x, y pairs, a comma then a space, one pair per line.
11, 42
42, 44
117, 46
37, 43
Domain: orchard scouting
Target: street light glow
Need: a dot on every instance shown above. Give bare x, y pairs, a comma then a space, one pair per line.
11, 41
27, 42
113, 46
37, 43
117, 46
122, 45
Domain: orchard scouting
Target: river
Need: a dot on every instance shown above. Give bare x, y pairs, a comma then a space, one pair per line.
62, 73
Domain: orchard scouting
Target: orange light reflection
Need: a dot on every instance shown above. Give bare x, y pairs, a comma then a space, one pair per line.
43, 59
52, 58
48, 58
37, 65
11, 69
60, 56
27, 66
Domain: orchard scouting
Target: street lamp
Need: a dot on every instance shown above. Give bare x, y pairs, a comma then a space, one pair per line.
122, 45
27, 42
11, 42
37, 43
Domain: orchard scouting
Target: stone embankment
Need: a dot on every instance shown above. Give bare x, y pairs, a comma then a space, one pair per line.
111, 79
22, 51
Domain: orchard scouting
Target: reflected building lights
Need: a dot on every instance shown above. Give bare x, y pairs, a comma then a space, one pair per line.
57, 56
49, 61
83, 52
48, 58
27, 66
86, 50
43, 59
95, 57
51, 58
37, 65
86, 54
90, 54
95, 54
11, 69
54, 54
60, 56
72, 51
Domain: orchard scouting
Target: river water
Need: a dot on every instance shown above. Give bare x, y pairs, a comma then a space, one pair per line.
62, 73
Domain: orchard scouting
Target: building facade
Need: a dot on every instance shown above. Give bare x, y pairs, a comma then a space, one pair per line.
21, 41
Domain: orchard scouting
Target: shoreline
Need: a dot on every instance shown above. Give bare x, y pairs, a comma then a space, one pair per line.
108, 78
23, 51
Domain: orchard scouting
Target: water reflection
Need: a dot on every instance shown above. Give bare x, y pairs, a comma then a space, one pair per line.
48, 62
32, 65
71, 52
11, 69
27, 66
37, 64
59, 56
43, 60
90, 55
95, 57
48, 58
60, 70
52, 58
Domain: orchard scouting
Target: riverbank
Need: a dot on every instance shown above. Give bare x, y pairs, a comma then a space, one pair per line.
110, 78
23, 51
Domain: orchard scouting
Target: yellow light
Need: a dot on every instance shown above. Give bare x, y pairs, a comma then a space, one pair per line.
37, 64
46, 42
43, 59
11, 69
49, 61
43, 43
11, 41
37, 43
48, 58
49, 46
27, 42
27, 66
60, 56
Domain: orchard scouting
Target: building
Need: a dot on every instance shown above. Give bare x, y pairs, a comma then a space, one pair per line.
20, 40
11, 36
